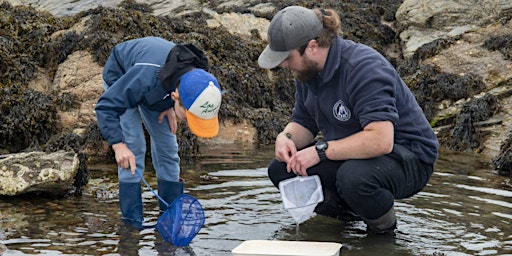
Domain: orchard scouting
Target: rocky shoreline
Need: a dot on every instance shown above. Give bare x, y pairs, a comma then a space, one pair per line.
455, 56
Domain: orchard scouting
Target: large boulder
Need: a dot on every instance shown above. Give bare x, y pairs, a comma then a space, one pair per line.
38, 172
424, 21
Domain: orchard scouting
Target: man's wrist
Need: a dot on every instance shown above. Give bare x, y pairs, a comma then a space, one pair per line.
321, 147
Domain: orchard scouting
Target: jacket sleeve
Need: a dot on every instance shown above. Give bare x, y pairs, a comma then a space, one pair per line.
126, 92
374, 96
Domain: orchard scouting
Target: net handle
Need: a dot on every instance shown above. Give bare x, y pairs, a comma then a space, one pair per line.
150, 189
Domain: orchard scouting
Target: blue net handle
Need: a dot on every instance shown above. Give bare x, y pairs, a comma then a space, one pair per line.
150, 189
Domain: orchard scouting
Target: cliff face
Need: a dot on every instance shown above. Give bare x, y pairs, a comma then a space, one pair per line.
454, 55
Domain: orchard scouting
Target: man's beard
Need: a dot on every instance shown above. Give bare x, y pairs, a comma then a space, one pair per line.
309, 72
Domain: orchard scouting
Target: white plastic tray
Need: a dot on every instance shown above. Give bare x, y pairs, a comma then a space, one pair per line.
286, 248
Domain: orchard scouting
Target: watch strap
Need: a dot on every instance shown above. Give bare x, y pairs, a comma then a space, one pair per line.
321, 151
321, 154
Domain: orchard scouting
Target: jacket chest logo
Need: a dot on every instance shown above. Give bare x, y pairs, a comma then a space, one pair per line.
341, 112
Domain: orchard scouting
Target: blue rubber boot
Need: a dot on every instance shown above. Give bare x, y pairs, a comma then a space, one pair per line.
169, 190
130, 202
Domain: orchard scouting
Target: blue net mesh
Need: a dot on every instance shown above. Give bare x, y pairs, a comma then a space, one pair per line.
181, 222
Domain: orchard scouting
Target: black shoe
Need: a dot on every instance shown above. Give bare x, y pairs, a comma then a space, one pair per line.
348, 216
340, 212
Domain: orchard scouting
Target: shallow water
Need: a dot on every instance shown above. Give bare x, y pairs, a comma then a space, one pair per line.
465, 210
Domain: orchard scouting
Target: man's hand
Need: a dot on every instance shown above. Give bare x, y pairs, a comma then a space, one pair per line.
302, 160
171, 118
284, 148
124, 157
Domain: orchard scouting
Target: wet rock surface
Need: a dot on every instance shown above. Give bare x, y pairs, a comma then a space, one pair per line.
52, 53
39, 172
3, 249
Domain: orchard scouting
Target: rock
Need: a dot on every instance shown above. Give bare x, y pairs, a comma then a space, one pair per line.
451, 35
424, 21
81, 76
38, 172
3, 249
65, 7
237, 23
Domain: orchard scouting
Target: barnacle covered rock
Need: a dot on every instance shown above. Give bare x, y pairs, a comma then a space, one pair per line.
52, 173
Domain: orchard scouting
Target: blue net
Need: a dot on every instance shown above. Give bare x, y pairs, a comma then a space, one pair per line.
181, 222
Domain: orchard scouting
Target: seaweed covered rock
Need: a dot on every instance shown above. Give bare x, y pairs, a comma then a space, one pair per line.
462, 134
29, 114
431, 87
233, 55
29, 118
448, 61
26, 34
502, 43
503, 162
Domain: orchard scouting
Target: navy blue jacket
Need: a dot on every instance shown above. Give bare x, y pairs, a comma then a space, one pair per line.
357, 86
132, 74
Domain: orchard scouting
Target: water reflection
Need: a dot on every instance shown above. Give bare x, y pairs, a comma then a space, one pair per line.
465, 210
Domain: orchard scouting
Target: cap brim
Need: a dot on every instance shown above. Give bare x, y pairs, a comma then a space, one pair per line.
204, 128
271, 59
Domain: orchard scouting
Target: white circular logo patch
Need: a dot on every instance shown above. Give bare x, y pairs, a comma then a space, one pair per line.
341, 112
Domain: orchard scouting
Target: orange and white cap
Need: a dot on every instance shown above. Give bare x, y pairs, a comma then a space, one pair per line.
201, 96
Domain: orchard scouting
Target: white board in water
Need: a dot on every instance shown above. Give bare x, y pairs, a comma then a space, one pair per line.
286, 248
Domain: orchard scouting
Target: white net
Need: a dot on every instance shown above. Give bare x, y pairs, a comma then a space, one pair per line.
301, 195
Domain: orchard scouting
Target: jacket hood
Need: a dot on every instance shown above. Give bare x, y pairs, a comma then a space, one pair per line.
181, 59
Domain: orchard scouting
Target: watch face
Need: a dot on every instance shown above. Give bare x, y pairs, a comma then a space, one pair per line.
321, 145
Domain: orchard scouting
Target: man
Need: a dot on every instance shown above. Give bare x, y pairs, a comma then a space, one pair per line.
154, 81
377, 145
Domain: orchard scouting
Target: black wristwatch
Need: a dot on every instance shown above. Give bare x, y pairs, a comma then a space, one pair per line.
321, 146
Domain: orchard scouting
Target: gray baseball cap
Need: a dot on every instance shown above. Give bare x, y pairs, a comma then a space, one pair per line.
290, 28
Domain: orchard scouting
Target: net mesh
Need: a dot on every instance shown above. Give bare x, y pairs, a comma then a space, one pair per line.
181, 222
301, 195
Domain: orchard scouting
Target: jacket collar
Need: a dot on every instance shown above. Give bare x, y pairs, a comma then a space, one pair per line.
333, 61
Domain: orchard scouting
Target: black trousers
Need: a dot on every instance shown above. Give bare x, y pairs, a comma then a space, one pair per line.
363, 188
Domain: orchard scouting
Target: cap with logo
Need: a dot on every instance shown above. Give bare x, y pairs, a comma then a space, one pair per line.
290, 28
201, 96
